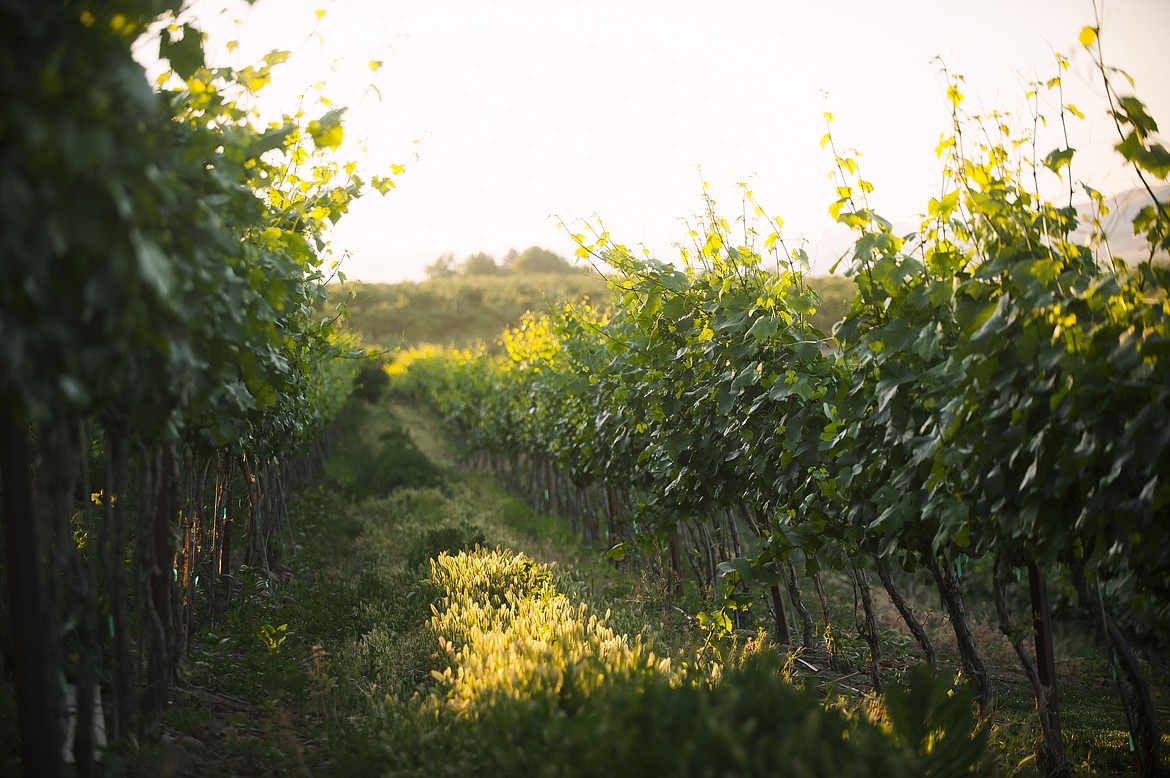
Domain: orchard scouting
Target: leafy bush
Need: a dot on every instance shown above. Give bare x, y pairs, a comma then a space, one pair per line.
371, 382
398, 464
538, 686
449, 539
751, 722
367, 471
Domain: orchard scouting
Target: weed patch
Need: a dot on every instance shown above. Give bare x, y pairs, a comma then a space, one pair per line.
538, 685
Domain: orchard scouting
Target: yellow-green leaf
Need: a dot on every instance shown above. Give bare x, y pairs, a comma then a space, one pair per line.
326, 131
1087, 36
185, 54
1058, 158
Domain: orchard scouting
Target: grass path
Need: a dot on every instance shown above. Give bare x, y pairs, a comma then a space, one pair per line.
316, 704
364, 659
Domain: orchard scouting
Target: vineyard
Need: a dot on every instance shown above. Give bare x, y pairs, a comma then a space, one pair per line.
685, 527
992, 410
166, 386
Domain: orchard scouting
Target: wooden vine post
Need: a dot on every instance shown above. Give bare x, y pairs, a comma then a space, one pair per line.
1042, 629
37, 695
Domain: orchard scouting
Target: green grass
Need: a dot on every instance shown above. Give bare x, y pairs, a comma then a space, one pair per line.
243, 707
1093, 724
460, 311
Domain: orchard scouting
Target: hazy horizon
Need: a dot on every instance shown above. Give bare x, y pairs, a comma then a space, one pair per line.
511, 115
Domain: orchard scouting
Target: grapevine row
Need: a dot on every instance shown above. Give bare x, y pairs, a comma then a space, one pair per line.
166, 383
998, 391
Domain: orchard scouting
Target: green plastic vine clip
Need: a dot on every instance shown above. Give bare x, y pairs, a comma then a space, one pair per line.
1019, 577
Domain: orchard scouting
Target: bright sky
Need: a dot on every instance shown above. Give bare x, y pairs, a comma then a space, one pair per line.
511, 115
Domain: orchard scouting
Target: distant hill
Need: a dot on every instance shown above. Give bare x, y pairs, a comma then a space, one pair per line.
457, 311
465, 310
1118, 224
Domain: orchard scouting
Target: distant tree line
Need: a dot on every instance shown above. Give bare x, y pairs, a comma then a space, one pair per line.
532, 260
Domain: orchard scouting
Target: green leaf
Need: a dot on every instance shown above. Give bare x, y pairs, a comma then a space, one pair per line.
652, 305
764, 327
1058, 158
154, 265
941, 209
1135, 114
185, 54
1154, 158
326, 132
738, 568
887, 387
746, 377
272, 139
